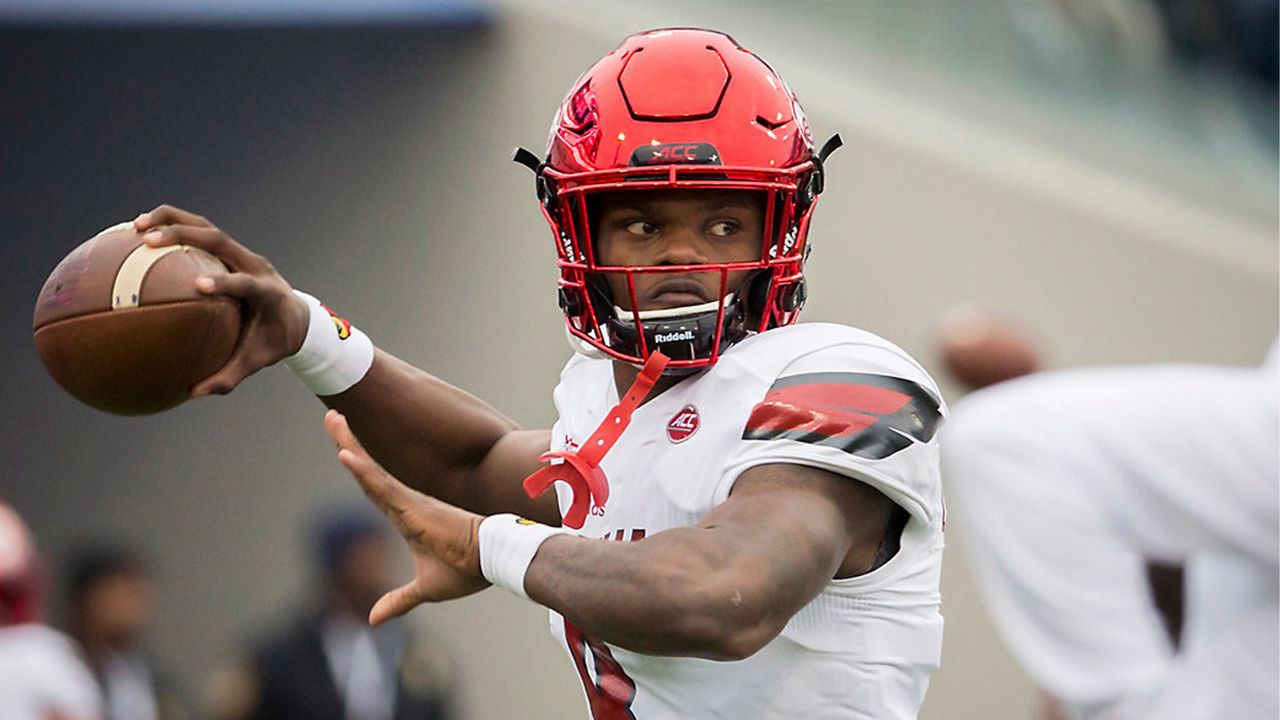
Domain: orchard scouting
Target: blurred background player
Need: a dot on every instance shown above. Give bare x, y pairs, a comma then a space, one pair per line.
327, 663
978, 348
109, 599
42, 676
1071, 481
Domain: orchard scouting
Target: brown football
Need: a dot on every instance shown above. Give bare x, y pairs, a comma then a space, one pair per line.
979, 348
121, 326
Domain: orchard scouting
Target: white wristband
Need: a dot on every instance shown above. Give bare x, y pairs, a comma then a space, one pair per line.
507, 546
334, 356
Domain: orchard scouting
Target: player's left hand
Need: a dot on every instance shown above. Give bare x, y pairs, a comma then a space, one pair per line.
444, 539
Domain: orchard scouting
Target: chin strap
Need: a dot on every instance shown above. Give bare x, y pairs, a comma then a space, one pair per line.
581, 469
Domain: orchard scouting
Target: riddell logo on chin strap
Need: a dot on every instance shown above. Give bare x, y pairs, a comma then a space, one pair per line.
679, 336
683, 424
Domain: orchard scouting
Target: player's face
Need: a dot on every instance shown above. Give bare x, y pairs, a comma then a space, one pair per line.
677, 227
366, 571
117, 608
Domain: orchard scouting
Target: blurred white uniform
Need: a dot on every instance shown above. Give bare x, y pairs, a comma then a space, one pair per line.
41, 674
1067, 482
819, 395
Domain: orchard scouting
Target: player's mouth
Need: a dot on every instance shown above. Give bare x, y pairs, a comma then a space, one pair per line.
673, 293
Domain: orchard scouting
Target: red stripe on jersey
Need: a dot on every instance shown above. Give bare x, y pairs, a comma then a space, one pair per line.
829, 409
610, 691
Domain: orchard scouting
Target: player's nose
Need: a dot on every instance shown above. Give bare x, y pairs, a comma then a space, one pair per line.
682, 245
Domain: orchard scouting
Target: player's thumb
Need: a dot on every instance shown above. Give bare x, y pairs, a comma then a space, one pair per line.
395, 603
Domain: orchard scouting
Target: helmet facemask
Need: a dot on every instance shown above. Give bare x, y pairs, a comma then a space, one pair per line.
601, 302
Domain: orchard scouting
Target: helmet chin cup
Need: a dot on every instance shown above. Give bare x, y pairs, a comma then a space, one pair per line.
685, 333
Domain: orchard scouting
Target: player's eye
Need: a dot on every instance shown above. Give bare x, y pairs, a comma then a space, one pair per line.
641, 227
723, 228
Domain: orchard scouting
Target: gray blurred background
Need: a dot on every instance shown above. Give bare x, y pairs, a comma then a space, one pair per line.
1111, 185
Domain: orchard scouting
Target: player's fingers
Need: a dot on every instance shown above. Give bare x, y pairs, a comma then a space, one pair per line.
413, 514
389, 494
335, 423
210, 239
395, 603
168, 215
237, 285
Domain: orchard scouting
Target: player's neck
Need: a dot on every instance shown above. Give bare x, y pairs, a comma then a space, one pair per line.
624, 374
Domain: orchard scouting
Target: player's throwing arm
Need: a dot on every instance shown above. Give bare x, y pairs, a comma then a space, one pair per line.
438, 438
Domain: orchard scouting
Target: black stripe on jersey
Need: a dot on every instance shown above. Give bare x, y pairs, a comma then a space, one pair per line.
867, 415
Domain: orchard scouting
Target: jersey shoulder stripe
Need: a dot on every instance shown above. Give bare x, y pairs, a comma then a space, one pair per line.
864, 414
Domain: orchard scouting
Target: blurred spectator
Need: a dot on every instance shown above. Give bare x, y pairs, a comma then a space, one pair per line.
1068, 481
109, 604
328, 663
41, 675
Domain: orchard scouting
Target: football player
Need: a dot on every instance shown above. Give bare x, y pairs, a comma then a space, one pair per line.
1070, 480
739, 517
42, 675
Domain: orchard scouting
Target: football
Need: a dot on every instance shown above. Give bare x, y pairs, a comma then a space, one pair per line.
979, 348
121, 327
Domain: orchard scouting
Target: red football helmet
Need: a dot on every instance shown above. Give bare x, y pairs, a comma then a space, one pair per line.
19, 571
679, 109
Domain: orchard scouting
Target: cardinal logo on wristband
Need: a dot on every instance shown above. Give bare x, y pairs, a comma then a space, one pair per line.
683, 424
342, 326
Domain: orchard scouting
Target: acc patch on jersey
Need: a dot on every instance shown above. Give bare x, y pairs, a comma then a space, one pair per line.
683, 424
870, 416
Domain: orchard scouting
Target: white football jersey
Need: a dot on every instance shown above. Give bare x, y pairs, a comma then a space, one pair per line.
1066, 482
42, 676
819, 395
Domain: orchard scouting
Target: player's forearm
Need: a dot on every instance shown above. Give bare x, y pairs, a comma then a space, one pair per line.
424, 431
680, 592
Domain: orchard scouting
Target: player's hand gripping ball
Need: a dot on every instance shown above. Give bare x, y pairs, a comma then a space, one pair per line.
121, 326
